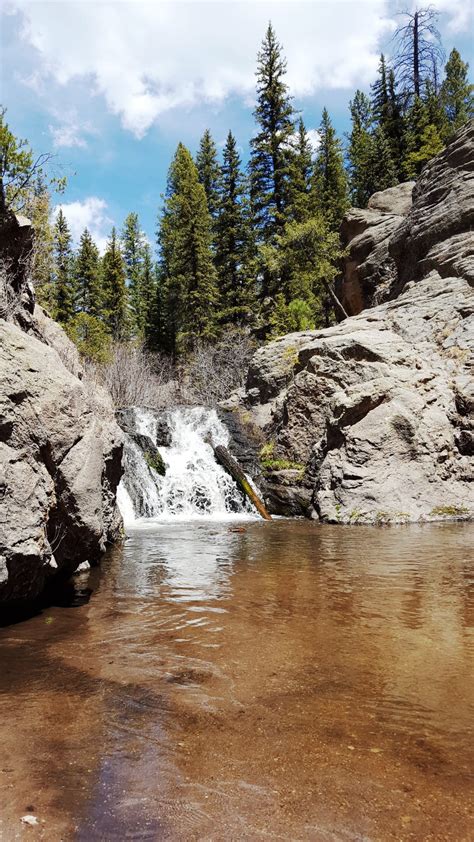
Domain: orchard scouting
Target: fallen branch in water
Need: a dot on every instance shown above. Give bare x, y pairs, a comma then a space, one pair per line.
233, 468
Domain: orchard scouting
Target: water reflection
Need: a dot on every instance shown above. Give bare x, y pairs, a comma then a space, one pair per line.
288, 680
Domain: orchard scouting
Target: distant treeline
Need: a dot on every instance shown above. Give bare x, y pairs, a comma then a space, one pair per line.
256, 248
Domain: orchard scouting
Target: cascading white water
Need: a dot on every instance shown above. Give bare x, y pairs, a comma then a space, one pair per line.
195, 485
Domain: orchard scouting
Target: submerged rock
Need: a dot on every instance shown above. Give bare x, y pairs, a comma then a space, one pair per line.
378, 409
60, 454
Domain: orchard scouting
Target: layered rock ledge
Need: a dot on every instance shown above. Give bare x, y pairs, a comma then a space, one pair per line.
372, 419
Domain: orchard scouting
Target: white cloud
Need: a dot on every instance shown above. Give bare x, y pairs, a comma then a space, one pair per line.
147, 58
314, 138
91, 213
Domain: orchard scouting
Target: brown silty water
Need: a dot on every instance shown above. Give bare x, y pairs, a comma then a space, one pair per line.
289, 682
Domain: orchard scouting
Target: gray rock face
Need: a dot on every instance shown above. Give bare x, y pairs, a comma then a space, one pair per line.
369, 272
379, 409
60, 454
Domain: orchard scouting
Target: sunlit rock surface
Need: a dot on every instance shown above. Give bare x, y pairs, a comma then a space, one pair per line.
379, 409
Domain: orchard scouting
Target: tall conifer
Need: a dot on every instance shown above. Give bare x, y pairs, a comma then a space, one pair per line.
233, 255
132, 250
188, 275
301, 168
329, 190
115, 290
89, 297
457, 93
209, 171
271, 147
64, 282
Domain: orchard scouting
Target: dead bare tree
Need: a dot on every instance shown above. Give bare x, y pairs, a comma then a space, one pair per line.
419, 51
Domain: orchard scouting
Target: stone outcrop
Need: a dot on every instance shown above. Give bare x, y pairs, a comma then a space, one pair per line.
373, 418
370, 274
60, 447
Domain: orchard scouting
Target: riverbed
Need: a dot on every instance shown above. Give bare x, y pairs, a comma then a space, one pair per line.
227, 681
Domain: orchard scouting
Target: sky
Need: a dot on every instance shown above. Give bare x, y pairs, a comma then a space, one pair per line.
111, 87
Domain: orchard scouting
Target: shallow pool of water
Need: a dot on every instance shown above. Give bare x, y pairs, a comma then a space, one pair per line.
279, 681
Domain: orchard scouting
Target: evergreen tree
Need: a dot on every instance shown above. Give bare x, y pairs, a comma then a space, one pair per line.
190, 294
88, 277
393, 124
38, 210
329, 190
380, 93
233, 254
457, 94
132, 251
148, 293
301, 262
209, 171
421, 141
301, 167
63, 276
360, 150
271, 147
383, 172
115, 290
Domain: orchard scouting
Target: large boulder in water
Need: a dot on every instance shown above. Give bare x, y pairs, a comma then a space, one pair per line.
378, 409
60, 453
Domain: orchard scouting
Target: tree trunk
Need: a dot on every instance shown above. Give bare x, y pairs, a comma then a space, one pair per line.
416, 57
233, 468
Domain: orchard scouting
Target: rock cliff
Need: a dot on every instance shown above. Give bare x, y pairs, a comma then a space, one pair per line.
60, 447
371, 420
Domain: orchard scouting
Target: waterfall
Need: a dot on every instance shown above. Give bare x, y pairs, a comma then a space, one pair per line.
194, 485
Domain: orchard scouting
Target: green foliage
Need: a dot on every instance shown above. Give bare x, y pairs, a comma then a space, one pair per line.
89, 293
383, 173
209, 172
148, 294
155, 461
233, 259
114, 289
301, 168
90, 336
270, 463
133, 242
360, 152
189, 280
300, 265
63, 275
271, 147
422, 140
457, 93
19, 169
330, 189
38, 210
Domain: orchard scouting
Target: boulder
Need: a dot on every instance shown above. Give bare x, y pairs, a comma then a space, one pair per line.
378, 410
60, 453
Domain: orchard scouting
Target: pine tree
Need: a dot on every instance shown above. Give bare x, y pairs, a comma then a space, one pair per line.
115, 290
301, 167
64, 282
393, 124
89, 298
457, 94
383, 172
329, 189
148, 293
132, 251
421, 141
190, 294
380, 94
38, 210
209, 171
360, 150
234, 242
271, 147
